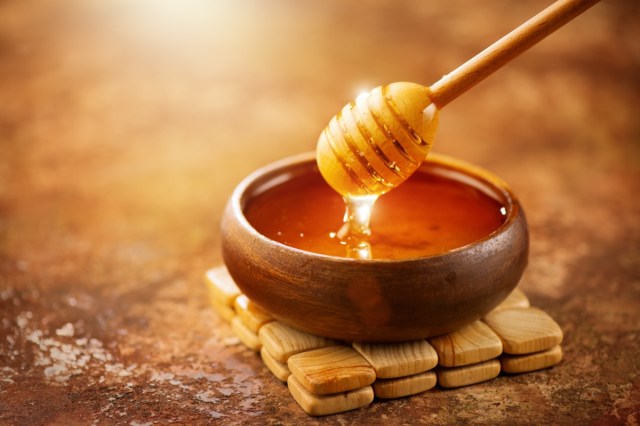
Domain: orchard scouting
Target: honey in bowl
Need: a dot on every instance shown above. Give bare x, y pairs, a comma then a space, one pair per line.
428, 214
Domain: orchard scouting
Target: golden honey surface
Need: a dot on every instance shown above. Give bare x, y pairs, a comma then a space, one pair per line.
426, 215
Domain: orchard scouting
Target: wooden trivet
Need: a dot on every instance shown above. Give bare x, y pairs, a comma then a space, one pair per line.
326, 376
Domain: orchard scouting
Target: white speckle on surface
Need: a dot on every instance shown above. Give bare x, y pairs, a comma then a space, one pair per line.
63, 359
210, 377
95, 343
102, 355
43, 361
159, 377
7, 374
206, 397
66, 356
35, 336
63, 356
6, 294
58, 372
23, 319
67, 330
226, 391
231, 341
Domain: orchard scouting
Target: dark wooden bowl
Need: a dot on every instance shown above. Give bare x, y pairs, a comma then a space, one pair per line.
375, 300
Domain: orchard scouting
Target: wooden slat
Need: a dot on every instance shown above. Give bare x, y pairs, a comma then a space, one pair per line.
279, 369
468, 375
224, 311
252, 315
532, 362
245, 334
221, 285
398, 359
525, 330
322, 405
471, 344
283, 341
332, 369
515, 299
404, 386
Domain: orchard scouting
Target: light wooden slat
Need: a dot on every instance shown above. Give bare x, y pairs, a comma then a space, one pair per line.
515, 299
398, 359
283, 341
525, 330
471, 344
221, 286
332, 369
246, 336
537, 361
252, 315
468, 375
404, 386
279, 369
224, 311
323, 405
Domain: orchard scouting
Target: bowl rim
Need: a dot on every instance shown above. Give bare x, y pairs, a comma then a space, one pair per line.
474, 175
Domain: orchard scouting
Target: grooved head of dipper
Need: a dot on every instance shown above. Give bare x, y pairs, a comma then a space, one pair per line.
377, 141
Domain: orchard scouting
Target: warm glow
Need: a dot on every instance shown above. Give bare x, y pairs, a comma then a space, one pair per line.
355, 231
362, 96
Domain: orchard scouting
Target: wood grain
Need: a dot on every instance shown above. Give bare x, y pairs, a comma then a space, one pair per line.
283, 341
224, 311
322, 405
332, 369
471, 344
252, 315
245, 334
391, 360
279, 369
525, 330
468, 375
404, 386
532, 362
221, 286
515, 299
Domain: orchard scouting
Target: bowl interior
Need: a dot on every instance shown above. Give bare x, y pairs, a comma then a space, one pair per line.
302, 168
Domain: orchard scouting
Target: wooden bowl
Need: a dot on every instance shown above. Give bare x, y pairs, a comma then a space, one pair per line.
375, 300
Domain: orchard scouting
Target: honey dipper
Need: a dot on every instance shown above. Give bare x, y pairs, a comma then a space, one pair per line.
377, 141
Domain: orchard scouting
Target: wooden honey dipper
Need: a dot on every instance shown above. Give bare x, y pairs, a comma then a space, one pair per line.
377, 141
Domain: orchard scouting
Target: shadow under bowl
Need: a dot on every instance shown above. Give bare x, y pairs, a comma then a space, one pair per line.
379, 300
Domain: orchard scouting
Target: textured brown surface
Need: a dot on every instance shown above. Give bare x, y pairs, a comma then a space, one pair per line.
124, 126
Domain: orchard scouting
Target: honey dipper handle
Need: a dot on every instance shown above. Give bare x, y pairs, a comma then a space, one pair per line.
504, 50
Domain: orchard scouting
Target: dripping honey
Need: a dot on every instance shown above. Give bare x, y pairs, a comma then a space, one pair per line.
426, 215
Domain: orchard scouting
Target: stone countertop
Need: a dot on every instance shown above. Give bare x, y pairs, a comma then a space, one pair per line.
125, 125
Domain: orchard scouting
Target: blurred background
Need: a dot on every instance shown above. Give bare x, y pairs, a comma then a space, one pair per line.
125, 125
